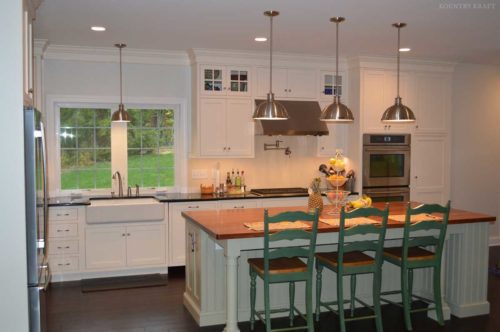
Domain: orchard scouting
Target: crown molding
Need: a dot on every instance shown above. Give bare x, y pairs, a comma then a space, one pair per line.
40, 46
110, 54
409, 64
261, 58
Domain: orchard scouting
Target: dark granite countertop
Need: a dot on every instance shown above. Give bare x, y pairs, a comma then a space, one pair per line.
167, 198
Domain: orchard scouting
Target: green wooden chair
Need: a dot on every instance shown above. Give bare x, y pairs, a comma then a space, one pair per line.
422, 250
283, 264
352, 259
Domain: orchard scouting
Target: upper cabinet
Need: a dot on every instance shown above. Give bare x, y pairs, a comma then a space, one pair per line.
224, 80
287, 83
329, 84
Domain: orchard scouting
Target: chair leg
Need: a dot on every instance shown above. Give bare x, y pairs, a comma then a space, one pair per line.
406, 297
319, 270
291, 294
340, 301
267, 307
410, 283
353, 293
437, 295
253, 276
377, 284
309, 307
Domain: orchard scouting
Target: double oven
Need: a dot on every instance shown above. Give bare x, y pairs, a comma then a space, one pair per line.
386, 167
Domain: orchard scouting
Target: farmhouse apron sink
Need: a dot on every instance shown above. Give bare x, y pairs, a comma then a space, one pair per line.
124, 210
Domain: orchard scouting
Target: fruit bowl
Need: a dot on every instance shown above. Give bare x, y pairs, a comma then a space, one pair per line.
337, 180
337, 198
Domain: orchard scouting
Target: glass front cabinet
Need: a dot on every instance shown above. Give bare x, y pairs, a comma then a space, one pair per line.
224, 81
329, 85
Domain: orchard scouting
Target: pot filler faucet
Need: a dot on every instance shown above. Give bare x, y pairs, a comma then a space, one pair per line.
120, 185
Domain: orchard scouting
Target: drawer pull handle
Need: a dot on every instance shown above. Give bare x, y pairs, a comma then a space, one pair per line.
67, 247
62, 230
194, 207
65, 214
239, 207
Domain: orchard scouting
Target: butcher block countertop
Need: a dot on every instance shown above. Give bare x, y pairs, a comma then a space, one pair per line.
229, 224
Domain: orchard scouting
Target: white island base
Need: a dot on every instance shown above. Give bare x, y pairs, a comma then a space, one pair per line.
217, 274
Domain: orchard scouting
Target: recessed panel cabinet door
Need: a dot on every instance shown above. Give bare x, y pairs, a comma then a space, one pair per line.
146, 245
302, 83
213, 126
105, 247
239, 127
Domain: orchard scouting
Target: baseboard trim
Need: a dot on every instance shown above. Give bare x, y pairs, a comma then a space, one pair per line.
494, 241
75, 276
469, 310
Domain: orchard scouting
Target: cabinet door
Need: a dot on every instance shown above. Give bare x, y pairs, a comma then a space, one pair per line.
280, 87
432, 102
328, 85
430, 169
105, 247
177, 229
146, 245
27, 58
212, 81
239, 128
238, 81
301, 83
212, 126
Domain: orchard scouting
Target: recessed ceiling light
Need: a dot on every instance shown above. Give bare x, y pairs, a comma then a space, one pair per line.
97, 28
260, 39
404, 49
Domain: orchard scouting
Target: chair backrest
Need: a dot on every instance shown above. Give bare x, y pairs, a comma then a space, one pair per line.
309, 235
437, 224
362, 237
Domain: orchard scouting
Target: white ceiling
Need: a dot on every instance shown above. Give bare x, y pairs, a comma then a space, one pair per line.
435, 29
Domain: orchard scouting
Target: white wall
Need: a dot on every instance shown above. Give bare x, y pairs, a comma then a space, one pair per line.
13, 280
475, 163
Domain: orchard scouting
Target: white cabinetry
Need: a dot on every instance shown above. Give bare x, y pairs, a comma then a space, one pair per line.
193, 262
177, 229
218, 80
287, 83
239, 204
328, 85
108, 247
29, 8
64, 240
226, 127
430, 168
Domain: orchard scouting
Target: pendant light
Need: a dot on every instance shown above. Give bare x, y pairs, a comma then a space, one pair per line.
398, 112
270, 109
337, 112
121, 115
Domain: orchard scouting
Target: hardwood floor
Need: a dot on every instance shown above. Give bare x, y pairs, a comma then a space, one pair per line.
160, 309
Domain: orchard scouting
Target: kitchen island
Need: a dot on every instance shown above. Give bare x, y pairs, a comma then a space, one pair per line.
218, 246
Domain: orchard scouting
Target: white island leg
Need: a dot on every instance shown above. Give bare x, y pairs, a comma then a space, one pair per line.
232, 288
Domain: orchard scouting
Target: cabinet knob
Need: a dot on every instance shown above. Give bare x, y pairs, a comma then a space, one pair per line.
224, 149
30, 90
123, 234
416, 126
322, 148
416, 177
228, 148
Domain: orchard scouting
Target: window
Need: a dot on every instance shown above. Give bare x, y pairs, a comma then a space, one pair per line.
151, 147
85, 148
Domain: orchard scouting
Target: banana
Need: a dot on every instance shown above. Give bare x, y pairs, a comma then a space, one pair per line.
364, 201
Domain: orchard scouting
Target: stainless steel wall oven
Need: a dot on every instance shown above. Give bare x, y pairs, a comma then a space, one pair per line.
386, 166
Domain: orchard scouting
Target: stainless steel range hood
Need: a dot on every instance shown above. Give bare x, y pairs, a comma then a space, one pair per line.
304, 120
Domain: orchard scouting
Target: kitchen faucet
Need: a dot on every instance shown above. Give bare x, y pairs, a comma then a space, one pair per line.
120, 185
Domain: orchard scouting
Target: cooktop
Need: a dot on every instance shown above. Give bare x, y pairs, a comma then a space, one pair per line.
279, 191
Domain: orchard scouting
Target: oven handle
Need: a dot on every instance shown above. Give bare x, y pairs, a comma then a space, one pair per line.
386, 192
386, 148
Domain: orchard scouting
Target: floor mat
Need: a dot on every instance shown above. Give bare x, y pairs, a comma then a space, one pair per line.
105, 284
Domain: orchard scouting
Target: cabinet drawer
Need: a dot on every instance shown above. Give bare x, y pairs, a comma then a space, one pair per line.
63, 230
63, 214
63, 263
57, 247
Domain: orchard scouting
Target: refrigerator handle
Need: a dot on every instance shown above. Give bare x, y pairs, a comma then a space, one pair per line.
45, 277
45, 191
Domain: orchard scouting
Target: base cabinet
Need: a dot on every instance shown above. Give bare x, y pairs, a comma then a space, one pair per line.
108, 247
177, 229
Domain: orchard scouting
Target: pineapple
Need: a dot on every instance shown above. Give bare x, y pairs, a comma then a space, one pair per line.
315, 199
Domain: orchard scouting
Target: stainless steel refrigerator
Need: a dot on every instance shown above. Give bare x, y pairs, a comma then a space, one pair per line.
35, 165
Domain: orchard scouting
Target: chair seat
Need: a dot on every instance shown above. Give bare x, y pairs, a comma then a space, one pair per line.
414, 253
278, 265
353, 258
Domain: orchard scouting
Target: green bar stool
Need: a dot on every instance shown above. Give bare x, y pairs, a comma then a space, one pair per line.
282, 264
352, 259
422, 250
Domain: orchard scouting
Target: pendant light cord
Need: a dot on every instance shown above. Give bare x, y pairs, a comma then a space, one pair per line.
399, 37
121, 75
271, 56
337, 62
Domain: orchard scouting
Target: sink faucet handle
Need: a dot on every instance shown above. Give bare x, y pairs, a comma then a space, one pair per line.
136, 190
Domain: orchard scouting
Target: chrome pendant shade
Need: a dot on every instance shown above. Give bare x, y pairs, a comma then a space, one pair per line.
398, 112
270, 109
121, 115
337, 112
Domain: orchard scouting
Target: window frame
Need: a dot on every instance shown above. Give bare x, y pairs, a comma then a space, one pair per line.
55, 103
